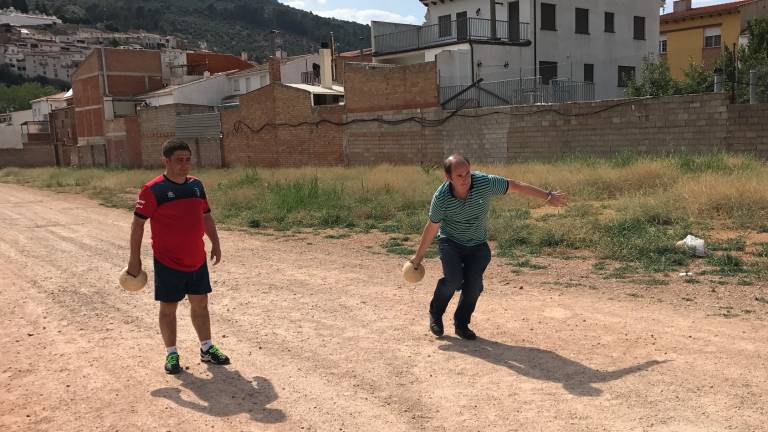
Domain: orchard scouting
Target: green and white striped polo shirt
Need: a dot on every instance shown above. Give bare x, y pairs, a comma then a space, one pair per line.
465, 221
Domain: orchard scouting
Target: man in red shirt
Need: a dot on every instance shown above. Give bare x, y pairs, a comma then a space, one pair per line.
177, 208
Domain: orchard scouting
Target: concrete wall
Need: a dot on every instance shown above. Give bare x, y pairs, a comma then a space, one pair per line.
697, 123
10, 134
27, 157
281, 146
403, 87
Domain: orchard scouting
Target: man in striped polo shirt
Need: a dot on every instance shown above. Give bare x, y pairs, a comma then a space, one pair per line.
458, 216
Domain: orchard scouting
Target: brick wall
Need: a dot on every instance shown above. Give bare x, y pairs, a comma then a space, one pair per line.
380, 89
283, 146
340, 63
695, 123
27, 157
123, 139
158, 125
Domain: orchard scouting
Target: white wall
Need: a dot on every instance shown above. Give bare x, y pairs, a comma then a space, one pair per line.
607, 51
290, 72
42, 108
10, 135
258, 80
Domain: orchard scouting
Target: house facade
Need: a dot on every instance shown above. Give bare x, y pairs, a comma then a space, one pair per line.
699, 35
594, 41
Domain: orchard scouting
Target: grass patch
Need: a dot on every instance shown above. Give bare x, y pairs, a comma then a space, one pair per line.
726, 264
736, 244
762, 250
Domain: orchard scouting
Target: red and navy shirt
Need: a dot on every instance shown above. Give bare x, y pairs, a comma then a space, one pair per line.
176, 214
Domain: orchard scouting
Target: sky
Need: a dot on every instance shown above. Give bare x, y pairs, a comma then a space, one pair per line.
403, 11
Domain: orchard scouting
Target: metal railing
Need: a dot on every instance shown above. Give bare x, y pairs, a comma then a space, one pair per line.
309, 78
525, 91
454, 31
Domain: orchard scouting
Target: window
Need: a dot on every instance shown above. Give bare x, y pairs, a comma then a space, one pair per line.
236, 86
663, 45
609, 22
548, 20
547, 71
639, 28
582, 21
444, 26
626, 74
248, 84
589, 72
712, 37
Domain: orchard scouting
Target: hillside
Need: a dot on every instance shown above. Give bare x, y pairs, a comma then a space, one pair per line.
228, 26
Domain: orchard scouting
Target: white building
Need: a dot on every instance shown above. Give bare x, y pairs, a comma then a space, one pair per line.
42, 107
598, 41
209, 91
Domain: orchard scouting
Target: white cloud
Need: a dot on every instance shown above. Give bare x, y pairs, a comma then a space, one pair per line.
365, 16
298, 4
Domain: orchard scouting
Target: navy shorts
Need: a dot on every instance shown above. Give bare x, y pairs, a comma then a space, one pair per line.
173, 285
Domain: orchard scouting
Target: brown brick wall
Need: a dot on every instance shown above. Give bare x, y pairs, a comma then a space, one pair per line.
384, 89
27, 157
123, 139
695, 123
283, 146
341, 63
134, 61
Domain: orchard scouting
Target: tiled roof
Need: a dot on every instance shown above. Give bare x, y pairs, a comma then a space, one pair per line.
706, 10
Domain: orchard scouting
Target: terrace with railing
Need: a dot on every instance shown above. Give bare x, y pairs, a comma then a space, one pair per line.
449, 32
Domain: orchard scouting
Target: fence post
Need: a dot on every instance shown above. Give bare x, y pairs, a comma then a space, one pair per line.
753, 98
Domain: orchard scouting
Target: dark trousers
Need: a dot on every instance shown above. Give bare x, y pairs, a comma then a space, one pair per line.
463, 268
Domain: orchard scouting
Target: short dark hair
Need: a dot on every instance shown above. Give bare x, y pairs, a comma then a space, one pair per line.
450, 160
173, 145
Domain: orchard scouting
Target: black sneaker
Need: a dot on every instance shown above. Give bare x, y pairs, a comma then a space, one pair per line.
172, 366
436, 325
213, 355
465, 332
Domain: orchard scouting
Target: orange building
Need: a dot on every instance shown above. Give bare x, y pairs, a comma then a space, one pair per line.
698, 35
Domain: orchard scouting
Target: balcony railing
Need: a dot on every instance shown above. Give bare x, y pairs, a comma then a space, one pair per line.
526, 91
455, 31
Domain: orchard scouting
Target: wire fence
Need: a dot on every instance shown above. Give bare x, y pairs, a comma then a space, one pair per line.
525, 91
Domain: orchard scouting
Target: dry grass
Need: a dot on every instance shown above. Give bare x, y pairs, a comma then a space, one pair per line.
627, 208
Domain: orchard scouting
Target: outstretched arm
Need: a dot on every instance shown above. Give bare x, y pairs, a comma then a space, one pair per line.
553, 198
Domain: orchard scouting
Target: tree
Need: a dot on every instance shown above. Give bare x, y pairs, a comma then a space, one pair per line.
17, 98
736, 66
698, 79
5, 4
20, 5
655, 80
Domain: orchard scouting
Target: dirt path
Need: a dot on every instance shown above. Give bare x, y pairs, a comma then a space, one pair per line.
325, 336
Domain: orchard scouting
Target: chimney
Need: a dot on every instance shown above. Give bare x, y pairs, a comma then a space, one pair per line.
274, 69
244, 56
682, 5
326, 79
